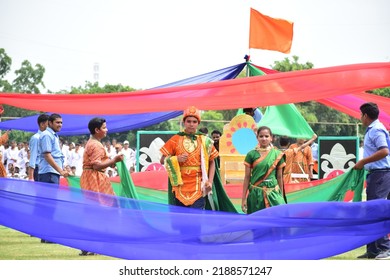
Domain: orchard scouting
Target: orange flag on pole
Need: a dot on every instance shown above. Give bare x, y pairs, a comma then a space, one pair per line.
269, 33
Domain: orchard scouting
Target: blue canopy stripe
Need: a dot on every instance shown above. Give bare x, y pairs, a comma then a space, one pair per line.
78, 124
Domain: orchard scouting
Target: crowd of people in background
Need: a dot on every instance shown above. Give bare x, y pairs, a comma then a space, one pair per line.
15, 156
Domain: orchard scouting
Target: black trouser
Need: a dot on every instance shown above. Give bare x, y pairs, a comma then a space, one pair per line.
378, 187
36, 169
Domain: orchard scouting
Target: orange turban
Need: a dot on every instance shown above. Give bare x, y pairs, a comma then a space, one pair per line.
191, 111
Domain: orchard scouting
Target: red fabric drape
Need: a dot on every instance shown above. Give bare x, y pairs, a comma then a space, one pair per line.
383, 102
350, 103
275, 89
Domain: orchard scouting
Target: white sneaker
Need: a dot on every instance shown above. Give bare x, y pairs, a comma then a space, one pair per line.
383, 256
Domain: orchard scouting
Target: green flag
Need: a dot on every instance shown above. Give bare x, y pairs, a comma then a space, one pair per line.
286, 120
283, 119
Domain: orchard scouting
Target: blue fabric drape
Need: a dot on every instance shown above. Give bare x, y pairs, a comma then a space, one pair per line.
134, 229
78, 124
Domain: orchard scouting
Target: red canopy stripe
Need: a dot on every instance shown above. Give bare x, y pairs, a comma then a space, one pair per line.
275, 89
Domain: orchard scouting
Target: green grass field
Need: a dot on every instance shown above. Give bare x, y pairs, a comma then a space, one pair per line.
15, 245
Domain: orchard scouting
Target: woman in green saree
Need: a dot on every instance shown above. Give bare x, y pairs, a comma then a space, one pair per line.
263, 182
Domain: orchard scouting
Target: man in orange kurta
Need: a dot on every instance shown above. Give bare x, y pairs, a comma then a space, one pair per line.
187, 154
302, 161
292, 155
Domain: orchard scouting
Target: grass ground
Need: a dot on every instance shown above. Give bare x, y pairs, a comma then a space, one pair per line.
15, 245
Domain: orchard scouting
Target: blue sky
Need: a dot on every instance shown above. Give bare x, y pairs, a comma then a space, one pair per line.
148, 43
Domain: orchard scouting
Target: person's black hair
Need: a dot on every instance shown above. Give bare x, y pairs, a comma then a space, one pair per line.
54, 116
204, 130
95, 123
284, 141
43, 118
215, 131
249, 110
261, 128
370, 109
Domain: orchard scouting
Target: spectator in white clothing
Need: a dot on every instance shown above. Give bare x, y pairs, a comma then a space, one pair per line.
68, 152
22, 156
76, 159
12, 153
130, 157
65, 150
110, 150
361, 149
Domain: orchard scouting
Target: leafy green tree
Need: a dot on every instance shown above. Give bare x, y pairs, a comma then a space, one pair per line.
90, 87
170, 125
287, 65
228, 114
29, 78
327, 121
216, 120
382, 91
317, 115
5, 68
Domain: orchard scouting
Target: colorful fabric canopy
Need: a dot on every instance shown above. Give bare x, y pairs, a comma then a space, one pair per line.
346, 103
275, 89
78, 124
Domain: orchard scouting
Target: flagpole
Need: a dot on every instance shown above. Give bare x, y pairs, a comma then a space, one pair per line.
247, 58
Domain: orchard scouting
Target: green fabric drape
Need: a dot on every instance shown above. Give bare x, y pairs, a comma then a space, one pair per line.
286, 120
283, 119
253, 71
221, 200
127, 184
332, 190
125, 188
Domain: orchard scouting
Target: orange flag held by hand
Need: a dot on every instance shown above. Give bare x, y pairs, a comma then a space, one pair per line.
269, 33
